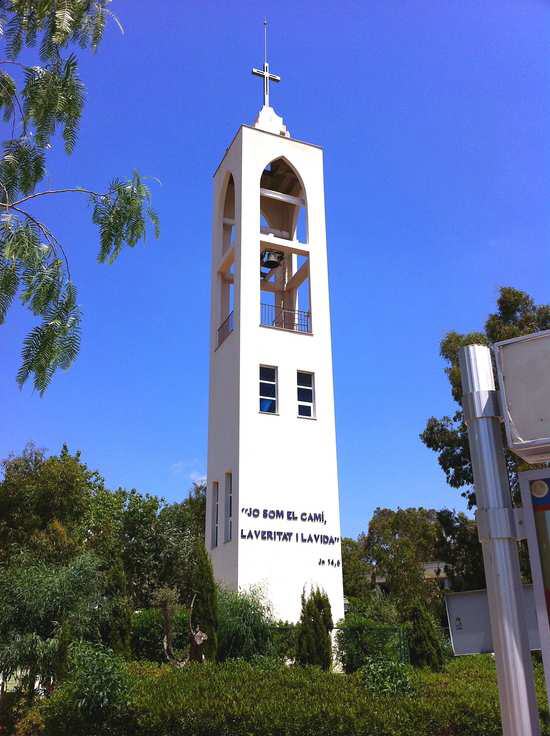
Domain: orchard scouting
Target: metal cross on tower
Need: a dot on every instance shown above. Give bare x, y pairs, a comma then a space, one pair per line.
265, 73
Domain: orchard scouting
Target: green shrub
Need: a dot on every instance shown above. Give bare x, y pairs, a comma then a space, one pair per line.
360, 639
244, 625
313, 642
424, 639
93, 700
148, 632
385, 677
376, 607
237, 698
283, 636
205, 608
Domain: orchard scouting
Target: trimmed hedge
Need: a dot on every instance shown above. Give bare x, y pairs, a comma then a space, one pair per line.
238, 699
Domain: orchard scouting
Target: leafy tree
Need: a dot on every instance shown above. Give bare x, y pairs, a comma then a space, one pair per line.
93, 699
244, 624
314, 644
44, 608
43, 502
376, 606
459, 548
42, 104
516, 315
356, 571
398, 544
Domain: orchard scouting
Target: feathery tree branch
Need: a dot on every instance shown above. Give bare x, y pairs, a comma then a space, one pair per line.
49, 99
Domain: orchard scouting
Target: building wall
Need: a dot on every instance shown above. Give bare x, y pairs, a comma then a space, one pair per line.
285, 463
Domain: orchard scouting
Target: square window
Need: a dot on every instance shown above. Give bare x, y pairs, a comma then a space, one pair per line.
268, 406
267, 389
305, 379
268, 374
304, 410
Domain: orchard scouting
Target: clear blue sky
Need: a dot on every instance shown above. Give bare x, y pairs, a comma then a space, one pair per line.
433, 117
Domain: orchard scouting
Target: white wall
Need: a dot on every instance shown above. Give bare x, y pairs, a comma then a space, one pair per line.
283, 462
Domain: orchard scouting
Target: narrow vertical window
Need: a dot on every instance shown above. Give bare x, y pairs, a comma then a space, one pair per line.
268, 389
215, 512
228, 507
306, 394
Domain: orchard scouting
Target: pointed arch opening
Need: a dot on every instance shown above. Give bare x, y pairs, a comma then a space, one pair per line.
228, 220
282, 201
226, 274
284, 261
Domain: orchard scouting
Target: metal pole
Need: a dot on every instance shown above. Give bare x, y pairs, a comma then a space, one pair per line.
496, 528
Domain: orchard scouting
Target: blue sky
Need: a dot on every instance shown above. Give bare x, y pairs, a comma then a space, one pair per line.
433, 117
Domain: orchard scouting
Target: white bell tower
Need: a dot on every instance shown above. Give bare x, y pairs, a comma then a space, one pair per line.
272, 502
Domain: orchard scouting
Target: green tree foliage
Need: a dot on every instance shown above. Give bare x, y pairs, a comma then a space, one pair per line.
43, 502
244, 624
377, 607
360, 638
425, 642
459, 548
398, 544
201, 586
42, 104
356, 571
94, 697
313, 642
56, 512
44, 608
516, 315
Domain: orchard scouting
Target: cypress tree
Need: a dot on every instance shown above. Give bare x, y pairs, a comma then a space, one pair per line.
314, 644
425, 648
201, 582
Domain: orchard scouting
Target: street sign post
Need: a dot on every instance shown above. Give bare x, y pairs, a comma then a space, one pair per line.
497, 533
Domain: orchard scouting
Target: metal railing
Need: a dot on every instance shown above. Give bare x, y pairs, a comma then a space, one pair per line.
226, 328
285, 319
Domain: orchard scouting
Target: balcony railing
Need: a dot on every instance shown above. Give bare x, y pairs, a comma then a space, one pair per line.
226, 328
285, 319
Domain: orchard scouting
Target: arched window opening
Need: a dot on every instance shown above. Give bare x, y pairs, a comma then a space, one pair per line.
226, 274
284, 264
282, 202
229, 216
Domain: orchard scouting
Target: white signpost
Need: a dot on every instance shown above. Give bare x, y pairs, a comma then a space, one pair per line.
497, 534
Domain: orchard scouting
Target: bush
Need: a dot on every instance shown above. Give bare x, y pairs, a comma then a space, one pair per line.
148, 632
425, 641
244, 625
93, 700
359, 639
238, 699
283, 635
313, 642
385, 677
376, 606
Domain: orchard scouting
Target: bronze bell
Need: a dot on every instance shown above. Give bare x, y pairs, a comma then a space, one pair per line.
271, 259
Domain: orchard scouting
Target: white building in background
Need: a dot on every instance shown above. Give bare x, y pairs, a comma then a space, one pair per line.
272, 502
